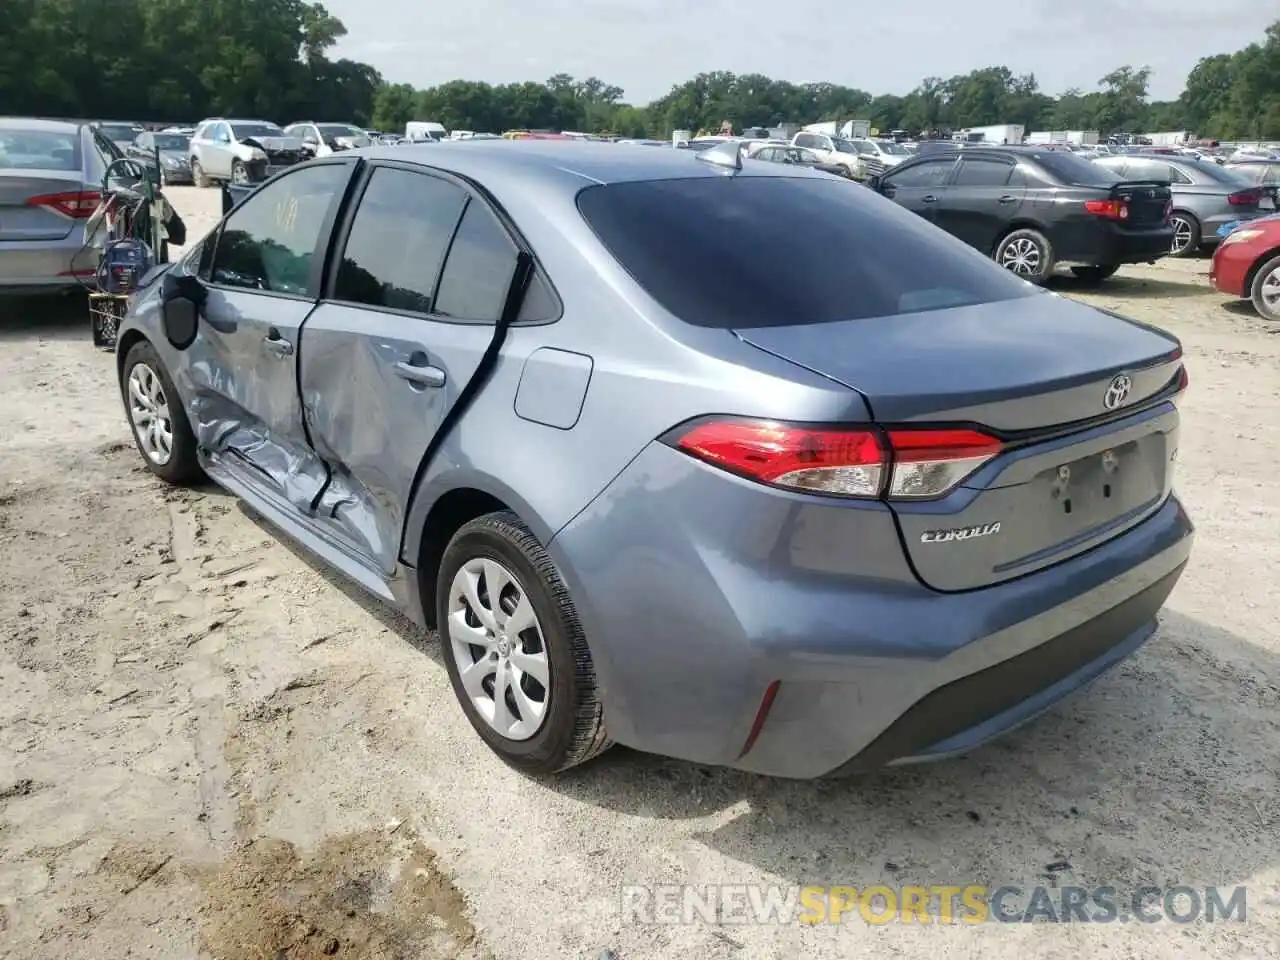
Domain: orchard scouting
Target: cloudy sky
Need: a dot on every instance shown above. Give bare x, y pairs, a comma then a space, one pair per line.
646, 46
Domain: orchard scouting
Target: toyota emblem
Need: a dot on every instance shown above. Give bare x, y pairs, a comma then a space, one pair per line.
1117, 392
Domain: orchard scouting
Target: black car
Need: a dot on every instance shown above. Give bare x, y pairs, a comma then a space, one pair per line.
1032, 210
800, 156
172, 148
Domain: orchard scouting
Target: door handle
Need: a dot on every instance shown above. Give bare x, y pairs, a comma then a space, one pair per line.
929, 198
1007, 199
420, 374
277, 345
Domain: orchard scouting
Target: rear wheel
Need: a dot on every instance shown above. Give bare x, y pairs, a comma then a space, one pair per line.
515, 649
197, 174
1265, 291
1186, 234
1096, 273
1026, 253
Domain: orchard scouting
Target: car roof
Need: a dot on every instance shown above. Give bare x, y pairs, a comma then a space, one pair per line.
569, 162
32, 123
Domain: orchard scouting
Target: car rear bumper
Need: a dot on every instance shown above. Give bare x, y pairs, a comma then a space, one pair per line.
1126, 246
699, 591
46, 265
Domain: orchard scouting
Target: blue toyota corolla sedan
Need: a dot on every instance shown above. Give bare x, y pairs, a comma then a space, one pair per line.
718, 459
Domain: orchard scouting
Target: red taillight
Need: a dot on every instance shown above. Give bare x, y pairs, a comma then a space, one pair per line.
1245, 198
862, 462
1184, 380
78, 206
1108, 209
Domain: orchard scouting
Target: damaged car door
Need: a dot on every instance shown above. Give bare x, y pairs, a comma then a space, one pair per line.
423, 273
262, 275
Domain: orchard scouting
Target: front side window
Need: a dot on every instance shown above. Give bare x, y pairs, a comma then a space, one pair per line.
269, 242
398, 240
927, 173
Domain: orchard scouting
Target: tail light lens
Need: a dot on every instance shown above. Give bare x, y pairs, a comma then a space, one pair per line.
1184, 380
1108, 209
862, 462
78, 206
1245, 198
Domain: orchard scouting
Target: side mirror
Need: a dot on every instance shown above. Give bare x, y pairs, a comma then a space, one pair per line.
875, 183
181, 296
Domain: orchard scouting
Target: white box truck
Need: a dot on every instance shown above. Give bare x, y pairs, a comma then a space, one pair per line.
421, 131
1002, 133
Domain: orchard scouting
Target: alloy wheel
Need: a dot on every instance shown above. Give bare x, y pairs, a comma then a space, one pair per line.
1022, 256
499, 649
1182, 232
239, 175
149, 414
1269, 292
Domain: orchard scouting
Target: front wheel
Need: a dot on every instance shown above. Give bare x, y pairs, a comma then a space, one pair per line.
1265, 291
198, 178
239, 173
1095, 274
1028, 254
159, 424
514, 648
1186, 234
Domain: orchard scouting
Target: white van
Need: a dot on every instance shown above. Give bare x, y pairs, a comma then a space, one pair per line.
419, 131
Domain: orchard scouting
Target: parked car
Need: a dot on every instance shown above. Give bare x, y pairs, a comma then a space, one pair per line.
1264, 174
1246, 265
122, 134
884, 152
323, 139
241, 151
785, 153
174, 148
51, 174
911, 502
1032, 210
840, 152
1206, 196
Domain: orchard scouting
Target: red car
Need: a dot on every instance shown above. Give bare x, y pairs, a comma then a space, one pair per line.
1247, 265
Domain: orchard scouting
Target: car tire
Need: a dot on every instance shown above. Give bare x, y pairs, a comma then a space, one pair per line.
1186, 234
1265, 290
1026, 253
1095, 274
150, 398
198, 179
239, 173
536, 736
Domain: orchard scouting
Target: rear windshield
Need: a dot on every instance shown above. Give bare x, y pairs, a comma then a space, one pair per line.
39, 150
1075, 171
757, 251
1212, 171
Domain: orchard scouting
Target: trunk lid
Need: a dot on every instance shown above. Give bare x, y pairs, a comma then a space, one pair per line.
21, 220
1147, 200
1073, 473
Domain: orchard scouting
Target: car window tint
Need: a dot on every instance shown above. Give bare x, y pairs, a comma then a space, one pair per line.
398, 240
1177, 176
804, 140
927, 173
1143, 169
981, 172
22, 149
539, 302
269, 242
477, 274
1066, 168
742, 252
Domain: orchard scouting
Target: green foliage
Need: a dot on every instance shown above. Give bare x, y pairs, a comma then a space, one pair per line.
178, 60
182, 60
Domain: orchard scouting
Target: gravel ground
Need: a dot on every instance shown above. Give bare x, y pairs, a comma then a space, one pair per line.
209, 746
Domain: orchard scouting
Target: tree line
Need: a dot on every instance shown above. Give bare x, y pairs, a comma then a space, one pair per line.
183, 60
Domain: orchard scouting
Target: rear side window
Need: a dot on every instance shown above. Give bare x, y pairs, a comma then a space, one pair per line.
477, 275
39, 149
982, 172
1072, 171
398, 240
748, 251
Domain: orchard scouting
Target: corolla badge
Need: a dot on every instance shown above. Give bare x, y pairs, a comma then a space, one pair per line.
1117, 391
960, 533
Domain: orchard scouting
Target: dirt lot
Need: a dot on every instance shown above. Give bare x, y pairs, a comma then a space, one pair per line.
210, 747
